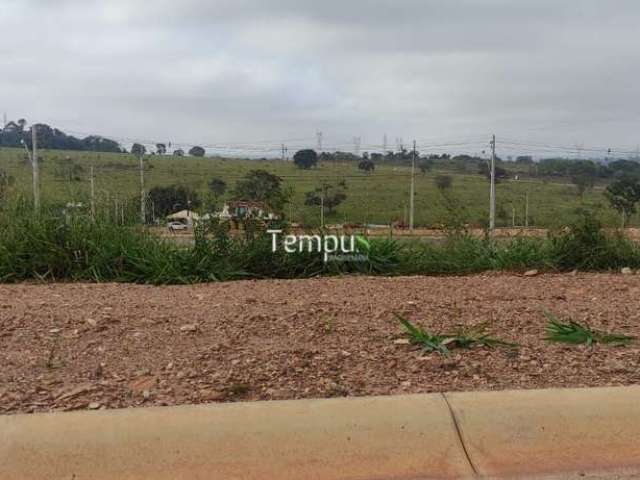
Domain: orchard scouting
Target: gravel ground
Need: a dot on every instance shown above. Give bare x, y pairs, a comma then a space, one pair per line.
91, 346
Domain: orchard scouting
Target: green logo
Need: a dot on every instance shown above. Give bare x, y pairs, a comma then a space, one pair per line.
363, 243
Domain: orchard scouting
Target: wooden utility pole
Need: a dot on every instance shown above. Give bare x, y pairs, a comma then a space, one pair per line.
492, 192
412, 188
322, 207
143, 216
34, 166
526, 209
93, 194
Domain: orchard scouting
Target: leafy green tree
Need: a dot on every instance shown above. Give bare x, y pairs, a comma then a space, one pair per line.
167, 200
54, 139
178, 153
138, 149
443, 182
161, 148
623, 195
261, 186
524, 159
94, 143
366, 165
305, 159
426, 165
217, 186
197, 151
582, 183
329, 196
483, 169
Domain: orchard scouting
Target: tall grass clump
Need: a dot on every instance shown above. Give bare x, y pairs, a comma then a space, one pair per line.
50, 246
585, 245
53, 245
463, 254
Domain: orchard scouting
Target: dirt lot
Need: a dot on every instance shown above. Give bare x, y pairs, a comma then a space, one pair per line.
78, 346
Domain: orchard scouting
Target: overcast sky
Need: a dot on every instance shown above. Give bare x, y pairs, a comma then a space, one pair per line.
227, 71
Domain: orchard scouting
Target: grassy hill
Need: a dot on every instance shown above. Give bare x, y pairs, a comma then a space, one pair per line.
376, 198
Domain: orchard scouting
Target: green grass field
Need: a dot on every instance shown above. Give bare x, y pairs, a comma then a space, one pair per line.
375, 198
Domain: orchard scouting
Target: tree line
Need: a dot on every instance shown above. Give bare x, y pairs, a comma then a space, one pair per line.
16, 134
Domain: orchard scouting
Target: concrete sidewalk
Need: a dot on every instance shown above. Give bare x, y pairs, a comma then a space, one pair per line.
590, 433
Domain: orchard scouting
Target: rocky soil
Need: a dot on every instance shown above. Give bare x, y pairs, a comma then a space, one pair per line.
96, 346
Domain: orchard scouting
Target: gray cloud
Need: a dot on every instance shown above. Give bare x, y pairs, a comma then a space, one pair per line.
243, 70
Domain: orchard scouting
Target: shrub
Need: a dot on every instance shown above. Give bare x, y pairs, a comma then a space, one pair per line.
585, 246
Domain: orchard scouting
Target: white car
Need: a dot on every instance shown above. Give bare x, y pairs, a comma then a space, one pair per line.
176, 226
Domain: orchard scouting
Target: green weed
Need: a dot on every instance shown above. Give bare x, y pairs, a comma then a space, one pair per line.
576, 334
442, 343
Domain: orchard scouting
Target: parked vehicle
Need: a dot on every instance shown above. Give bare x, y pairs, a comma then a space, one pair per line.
176, 226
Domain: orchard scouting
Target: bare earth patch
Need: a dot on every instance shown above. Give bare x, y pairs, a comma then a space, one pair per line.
79, 346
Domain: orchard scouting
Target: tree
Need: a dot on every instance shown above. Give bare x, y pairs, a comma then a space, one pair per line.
366, 166
167, 200
623, 195
485, 170
426, 165
161, 148
329, 196
524, 159
261, 186
305, 158
54, 139
138, 150
95, 143
217, 186
582, 182
197, 151
443, 182
178, 153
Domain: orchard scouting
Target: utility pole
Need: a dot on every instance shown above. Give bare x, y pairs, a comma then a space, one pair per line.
526, 209
413, 188
356, 145
492, 192
143, 215
93, 194
319, 138
34, 166
107, 206
384, 143
284, 152
322, 207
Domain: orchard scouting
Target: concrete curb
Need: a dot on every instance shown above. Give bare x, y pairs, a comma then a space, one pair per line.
461, 435
543, 432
